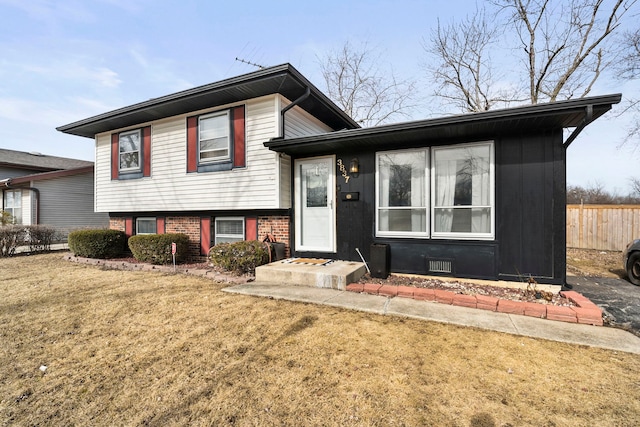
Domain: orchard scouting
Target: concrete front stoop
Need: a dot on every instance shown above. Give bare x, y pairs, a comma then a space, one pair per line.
332, 275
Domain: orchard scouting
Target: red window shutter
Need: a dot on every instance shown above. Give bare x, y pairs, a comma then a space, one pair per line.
146, 151
160, 227
205, 235
251, 228
192, 144
128, 226
238, 138
115, 160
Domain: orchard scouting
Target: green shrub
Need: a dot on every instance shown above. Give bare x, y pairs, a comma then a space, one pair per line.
11, 236
40, 237
156, 248
98, 243
240, 257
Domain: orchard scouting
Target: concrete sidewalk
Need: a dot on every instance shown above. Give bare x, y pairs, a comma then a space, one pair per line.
573, 333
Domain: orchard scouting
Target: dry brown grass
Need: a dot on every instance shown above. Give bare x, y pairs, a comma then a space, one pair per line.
591, 262
143, 348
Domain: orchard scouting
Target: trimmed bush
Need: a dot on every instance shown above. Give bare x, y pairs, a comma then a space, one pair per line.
240, 257
98, 243
156, 248
40, 237
11, 236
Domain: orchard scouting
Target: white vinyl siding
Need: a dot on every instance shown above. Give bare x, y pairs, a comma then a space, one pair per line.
170, 188
298, 122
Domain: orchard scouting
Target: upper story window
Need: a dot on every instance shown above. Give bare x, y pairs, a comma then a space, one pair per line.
440, 192
214, 142
131, 154
129, 145
13, 205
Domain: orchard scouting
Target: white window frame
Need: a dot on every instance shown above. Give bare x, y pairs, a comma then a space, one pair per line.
121, 153
146, 219
228, 236
491, 205
227, 115
17, 219
426, 186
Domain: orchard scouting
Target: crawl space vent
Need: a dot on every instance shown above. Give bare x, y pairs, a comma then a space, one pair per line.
440, 266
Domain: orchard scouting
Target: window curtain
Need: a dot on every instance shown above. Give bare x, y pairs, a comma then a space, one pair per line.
446, 173
383, 202
417, 193
480, 195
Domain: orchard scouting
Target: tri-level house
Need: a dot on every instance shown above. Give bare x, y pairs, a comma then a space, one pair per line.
194, 162
39, 189
477, 195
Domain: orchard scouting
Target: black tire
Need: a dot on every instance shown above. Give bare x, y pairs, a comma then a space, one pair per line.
633, 268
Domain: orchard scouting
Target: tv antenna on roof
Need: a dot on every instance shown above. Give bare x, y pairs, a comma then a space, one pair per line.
250, 63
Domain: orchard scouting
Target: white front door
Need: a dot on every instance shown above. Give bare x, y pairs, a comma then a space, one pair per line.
314, 203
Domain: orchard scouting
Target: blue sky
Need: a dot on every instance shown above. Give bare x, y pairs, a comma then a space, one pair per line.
66, 60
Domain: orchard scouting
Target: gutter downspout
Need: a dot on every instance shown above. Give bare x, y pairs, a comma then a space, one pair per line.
7, 184
304, 96
588, 118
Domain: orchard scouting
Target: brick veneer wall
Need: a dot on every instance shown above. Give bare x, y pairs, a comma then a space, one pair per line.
116, 224
278, 227
189, 225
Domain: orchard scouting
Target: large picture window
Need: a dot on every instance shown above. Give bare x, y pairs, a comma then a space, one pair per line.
463, 191
439, 192
214, 140
402, 193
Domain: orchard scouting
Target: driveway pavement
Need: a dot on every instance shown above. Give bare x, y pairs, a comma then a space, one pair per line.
619, 299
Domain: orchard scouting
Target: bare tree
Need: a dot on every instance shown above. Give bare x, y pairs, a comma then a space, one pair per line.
356, 82
628, 68
465, 75
596, 194
564, 46
635, 186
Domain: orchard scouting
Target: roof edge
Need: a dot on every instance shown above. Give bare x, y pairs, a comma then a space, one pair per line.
50, 175
502, 113
284, 69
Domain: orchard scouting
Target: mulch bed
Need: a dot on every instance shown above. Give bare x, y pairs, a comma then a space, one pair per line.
461, 287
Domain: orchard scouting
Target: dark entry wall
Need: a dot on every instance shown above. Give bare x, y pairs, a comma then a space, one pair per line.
530, 195
531, 207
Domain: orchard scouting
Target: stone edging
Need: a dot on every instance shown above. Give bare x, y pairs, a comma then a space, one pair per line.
129, 266
585, 311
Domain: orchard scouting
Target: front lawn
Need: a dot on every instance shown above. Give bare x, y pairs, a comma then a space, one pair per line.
148, 348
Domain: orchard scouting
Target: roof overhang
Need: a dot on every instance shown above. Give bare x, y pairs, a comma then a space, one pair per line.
47, 175
283, 79
576, 113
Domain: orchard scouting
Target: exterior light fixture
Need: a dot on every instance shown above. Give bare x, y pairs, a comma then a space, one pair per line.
354, 167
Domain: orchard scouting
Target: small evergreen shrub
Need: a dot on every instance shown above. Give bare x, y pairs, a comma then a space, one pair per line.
40, 237
98, 243
11, 236
156, 248
240, 257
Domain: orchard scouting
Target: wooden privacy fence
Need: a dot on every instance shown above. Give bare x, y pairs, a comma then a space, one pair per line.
602, 227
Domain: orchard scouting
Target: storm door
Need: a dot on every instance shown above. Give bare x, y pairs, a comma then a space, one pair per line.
314, 204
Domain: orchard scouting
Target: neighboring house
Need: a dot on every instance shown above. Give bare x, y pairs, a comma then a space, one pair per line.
476, 195
48, 190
